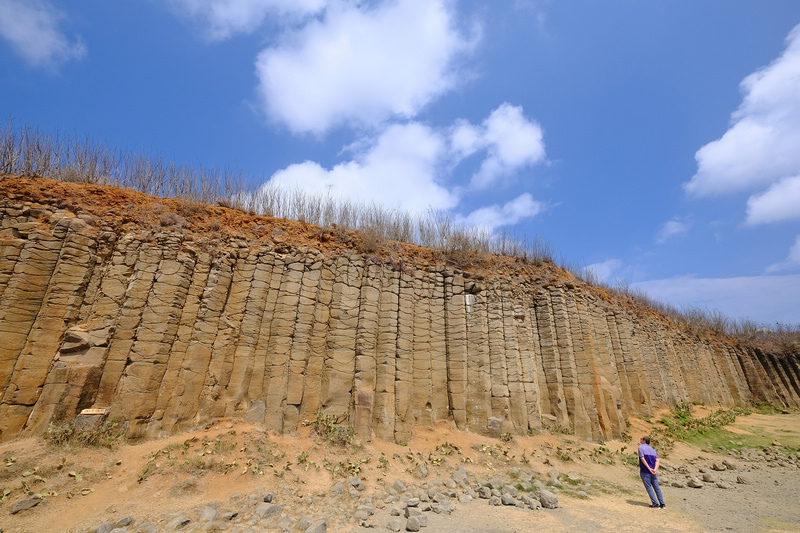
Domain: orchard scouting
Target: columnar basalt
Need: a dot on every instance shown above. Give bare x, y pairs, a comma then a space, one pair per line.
170, 321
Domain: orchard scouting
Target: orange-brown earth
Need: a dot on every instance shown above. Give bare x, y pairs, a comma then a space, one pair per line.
151, 481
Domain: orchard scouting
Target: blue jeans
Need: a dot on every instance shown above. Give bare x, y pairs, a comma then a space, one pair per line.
651, 484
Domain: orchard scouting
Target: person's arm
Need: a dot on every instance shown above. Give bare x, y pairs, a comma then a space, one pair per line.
654, 470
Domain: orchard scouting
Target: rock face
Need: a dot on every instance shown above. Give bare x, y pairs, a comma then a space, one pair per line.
170, 313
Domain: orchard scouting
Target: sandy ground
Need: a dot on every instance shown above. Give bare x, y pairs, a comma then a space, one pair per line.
84, 487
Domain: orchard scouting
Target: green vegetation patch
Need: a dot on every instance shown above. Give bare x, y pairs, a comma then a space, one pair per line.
709, 432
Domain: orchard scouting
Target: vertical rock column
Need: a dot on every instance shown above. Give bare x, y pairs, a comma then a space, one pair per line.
196, 388
456, 336
180, 389
339, 369
312, 381
586, 418
550, 360
42, 298
439, 400
479, 385
518, 400
498, 370
404, 363
579, 419
279, 347
383, 411
530, 358
366, 351
159, 321
301, 342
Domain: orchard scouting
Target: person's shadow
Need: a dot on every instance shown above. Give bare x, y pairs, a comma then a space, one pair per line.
637, 503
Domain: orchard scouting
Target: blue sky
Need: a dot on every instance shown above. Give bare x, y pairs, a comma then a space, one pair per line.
657, 142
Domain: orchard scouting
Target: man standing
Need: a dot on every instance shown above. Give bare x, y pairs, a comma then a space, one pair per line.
648, 471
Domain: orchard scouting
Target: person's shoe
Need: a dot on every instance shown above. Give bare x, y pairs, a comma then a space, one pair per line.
655, 506
663, 506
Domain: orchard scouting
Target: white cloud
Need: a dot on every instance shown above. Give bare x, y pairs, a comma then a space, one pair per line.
761, 146
606, 269
361, 64
510, 139
792, 260
226, 18
409, 166
400, 170
764, 299
676, 226
492, 217
32, 28
780, 202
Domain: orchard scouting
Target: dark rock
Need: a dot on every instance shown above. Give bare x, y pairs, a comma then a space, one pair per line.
547, 499
266, 510
25, 504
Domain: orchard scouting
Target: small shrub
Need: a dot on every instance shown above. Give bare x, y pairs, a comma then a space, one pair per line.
69, 434
330, 429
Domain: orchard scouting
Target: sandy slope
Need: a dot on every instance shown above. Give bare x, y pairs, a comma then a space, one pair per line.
152, 480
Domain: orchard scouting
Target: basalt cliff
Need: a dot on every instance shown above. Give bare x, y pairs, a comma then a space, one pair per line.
168, 314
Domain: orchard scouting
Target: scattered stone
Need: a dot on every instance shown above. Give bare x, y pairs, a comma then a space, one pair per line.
730, 465
412, 511
496, 501
508, 499
208, 514
395, 524
105, 527
321, 526
509, 489
266, 510
574, 477
742, 480
695, 483
25, 504
547, 499
460, 476
724, 485
178, 522
124, 522
412, 524
305, 522
443, 508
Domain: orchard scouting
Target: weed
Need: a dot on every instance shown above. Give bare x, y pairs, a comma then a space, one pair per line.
383, 462
70, 434
329, 428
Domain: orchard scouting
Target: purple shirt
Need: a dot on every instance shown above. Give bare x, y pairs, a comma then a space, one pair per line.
649, 455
